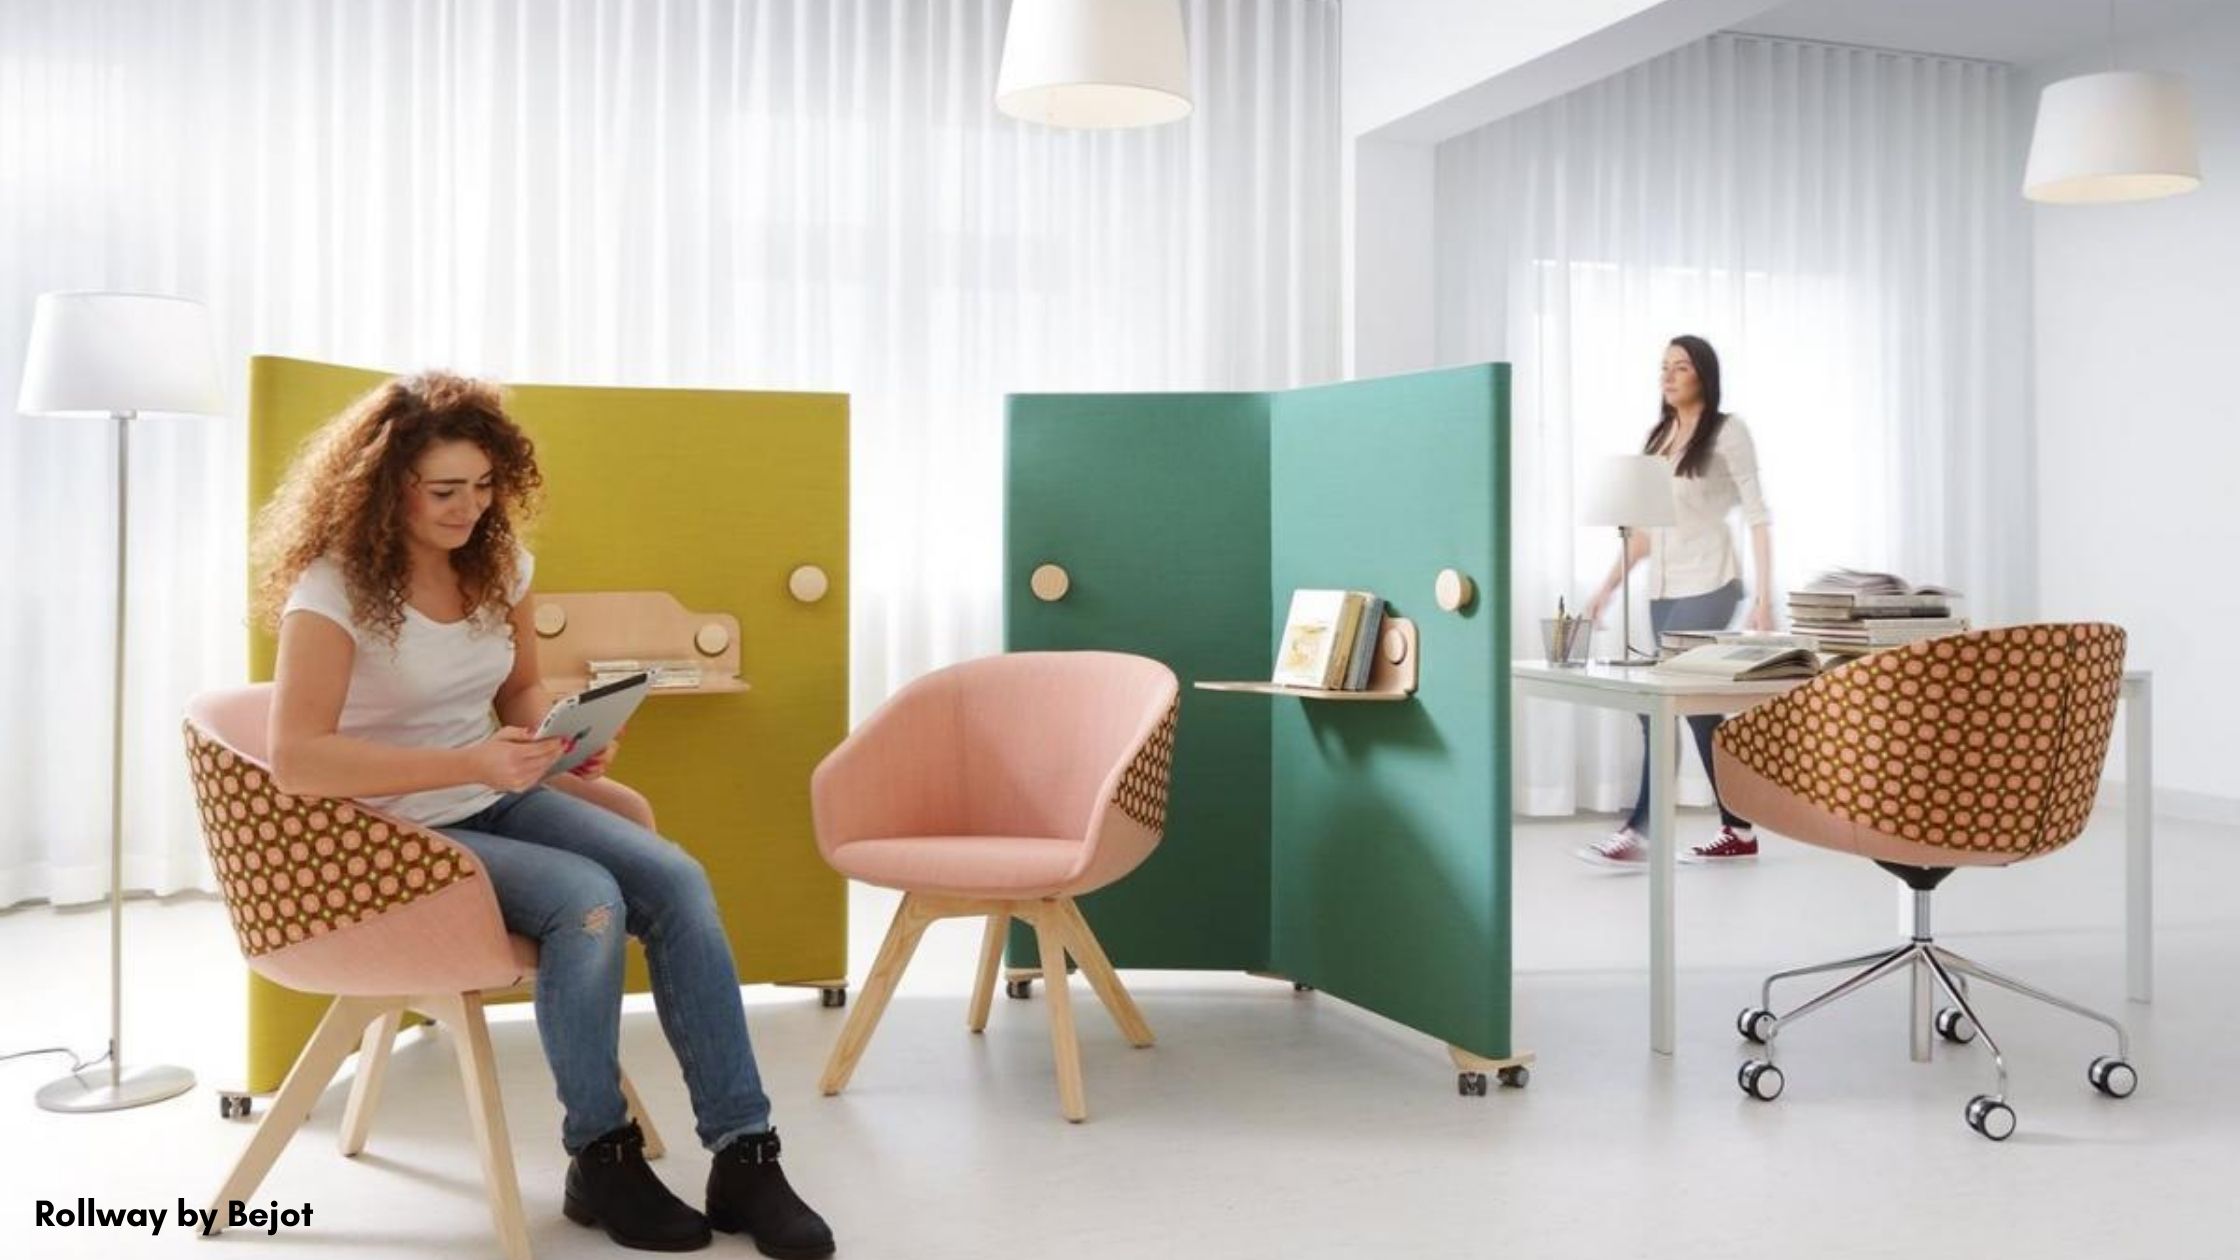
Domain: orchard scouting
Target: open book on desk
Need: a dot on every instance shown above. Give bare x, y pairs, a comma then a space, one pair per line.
1744, 662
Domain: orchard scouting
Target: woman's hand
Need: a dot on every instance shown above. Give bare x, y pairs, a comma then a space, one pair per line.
1760, 620
1595, 606
596, 765
513, 760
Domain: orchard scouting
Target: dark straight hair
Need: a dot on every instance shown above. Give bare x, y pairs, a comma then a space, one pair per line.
1698, 453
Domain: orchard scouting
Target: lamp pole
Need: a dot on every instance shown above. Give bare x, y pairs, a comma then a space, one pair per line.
145, 1085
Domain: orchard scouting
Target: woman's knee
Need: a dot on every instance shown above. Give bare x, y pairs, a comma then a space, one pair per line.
589, 903
618, 799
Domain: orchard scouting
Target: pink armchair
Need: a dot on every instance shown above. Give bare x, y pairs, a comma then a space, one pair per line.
1003, 788
331, 897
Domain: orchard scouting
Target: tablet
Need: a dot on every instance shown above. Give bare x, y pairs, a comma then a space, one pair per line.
591, 719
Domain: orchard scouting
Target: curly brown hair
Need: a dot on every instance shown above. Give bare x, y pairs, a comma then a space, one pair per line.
344, 497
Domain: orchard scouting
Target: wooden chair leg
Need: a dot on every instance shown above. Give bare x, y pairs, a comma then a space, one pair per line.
330, 1044
365, 1092
478, 1069
909, 924
984, 982
654, 1147
1050, 934
1082, 943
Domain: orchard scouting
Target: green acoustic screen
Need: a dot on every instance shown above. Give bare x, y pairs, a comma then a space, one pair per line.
1391, 821
1157, 508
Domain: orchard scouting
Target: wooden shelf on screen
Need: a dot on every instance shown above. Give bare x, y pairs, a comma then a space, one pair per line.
1391, 678
574, 627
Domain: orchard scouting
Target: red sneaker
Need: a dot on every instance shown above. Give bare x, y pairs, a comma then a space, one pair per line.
1731, 846
1624, 850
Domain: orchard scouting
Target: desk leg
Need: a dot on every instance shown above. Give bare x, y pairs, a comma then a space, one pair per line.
2138, 838
1663, 771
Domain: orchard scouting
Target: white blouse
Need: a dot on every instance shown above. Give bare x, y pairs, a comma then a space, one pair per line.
1696, 554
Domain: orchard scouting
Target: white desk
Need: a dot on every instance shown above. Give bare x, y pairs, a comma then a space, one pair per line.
1663, 698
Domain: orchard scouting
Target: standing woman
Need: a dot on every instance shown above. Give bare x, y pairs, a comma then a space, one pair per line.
407, 679
1695, 579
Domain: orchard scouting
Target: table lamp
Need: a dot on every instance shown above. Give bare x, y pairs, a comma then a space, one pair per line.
114, 356
1631, 492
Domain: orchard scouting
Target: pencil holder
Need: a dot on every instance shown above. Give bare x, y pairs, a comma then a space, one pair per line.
1565, 639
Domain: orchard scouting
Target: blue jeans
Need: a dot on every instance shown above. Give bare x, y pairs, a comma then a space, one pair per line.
575, 877
1712, 610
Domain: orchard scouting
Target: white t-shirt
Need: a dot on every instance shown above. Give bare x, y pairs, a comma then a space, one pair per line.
432, 688
1695, 555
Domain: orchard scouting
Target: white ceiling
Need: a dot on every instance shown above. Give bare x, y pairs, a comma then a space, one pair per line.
2018, 31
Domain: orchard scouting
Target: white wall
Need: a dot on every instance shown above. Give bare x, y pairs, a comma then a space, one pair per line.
1416, 72
1402, 55
2139, 421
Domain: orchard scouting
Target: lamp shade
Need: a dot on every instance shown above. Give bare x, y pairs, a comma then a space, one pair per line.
97, 354
1094, 63
2122, 135
1627, 490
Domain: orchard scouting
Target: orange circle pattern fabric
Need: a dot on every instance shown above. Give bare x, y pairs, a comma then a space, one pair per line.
1988, 742
1143, 788
293, 868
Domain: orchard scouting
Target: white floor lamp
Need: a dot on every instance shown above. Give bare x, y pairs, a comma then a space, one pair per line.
1631, 492
115, 356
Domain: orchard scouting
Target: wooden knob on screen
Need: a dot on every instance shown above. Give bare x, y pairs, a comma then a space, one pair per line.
1049, 583
551, 620
1453, 591
808, 583
712, 638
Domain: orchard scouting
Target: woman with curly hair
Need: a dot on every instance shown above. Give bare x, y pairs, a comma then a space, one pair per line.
407, 678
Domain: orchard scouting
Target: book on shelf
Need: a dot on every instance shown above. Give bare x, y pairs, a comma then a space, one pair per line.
1744, 662
1364, 658
1321, 647
667, 675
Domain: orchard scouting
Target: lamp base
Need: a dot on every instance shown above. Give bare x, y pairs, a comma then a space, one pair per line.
93, 1089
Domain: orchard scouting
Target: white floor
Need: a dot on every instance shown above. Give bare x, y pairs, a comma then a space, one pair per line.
1271, 1124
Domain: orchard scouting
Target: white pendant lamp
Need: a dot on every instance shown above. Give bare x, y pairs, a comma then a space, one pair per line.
1095, 63
2119, 135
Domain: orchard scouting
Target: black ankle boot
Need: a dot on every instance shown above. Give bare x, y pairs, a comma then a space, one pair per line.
748, 1193
610, 1186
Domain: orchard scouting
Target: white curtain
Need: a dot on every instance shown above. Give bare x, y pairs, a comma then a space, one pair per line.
809, 194
1843, 225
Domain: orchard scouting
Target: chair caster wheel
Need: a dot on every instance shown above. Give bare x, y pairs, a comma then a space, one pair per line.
1954, 1026
2112, 1077
235, 1106
1471, 1084
1021, 989
1755, 1025
832, 998
1760, 1079
1990, 1117
1514, 1077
